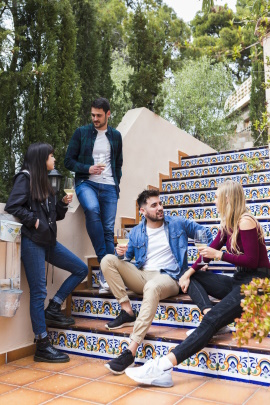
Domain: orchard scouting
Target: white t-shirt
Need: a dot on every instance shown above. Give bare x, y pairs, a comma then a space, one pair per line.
102, 152
159, 254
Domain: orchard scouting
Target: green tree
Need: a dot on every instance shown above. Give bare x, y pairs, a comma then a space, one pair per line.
11, 79
121, 100
152, 33
88, 54
41, 93
195, 98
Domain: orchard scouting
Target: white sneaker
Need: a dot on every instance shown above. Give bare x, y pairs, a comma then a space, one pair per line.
103, 282
151, 374
221, 331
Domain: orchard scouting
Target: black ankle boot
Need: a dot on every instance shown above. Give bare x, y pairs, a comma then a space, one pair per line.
47, 353
54, 316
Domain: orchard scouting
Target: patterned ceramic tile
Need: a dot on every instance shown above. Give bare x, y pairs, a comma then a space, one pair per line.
233, 364
200, 197
259, 367
209, 212
170, 313
213, 182
120, 344
94, 344
205, 362
220, 169
85, 306
224, 157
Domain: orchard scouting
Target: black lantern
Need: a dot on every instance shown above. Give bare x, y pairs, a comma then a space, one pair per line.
55, 179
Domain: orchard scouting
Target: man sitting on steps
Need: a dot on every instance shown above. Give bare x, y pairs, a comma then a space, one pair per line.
159, 245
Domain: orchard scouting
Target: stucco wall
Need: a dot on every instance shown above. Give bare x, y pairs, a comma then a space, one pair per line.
149, 143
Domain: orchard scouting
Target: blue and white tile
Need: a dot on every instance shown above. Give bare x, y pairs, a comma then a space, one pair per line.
191, 315
170, 313
223, 157
213, 182
120, 344
204, 362
233, 364
259, 365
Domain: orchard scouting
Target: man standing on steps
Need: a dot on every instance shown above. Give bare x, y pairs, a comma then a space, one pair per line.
159, 245
95, 155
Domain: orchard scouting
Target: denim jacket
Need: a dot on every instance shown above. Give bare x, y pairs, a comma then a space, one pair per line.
178, 230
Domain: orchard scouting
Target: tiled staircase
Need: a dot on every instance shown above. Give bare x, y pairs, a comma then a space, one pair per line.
190, 193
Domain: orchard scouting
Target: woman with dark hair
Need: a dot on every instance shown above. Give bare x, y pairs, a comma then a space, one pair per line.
32, 200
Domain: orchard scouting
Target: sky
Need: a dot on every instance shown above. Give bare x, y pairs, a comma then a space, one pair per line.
186, 9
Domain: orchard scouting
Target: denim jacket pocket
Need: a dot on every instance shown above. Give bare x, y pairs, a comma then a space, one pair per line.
178, 238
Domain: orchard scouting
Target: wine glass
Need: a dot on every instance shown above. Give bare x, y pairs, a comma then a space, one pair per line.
122, 238
200, 240
69, 186
101, 161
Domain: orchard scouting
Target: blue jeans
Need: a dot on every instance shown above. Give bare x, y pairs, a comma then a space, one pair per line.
33, 258
225, 288
99, 202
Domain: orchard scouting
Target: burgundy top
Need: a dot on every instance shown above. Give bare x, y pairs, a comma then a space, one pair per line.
254, 252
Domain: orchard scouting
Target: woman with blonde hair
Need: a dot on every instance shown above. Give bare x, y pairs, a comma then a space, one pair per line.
243, 236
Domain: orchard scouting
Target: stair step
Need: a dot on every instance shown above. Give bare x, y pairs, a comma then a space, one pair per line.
221, 168
220, 358
252, 193
208, 212
177, 311
225, 157
195, 183
214, 227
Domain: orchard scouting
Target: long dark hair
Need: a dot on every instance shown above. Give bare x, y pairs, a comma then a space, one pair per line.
35, 162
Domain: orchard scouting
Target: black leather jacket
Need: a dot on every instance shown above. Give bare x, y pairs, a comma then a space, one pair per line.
28, 211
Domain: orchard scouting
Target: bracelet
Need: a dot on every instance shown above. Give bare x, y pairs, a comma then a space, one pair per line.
221, 259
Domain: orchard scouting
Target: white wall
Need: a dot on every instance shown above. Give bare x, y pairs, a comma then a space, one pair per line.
149, 143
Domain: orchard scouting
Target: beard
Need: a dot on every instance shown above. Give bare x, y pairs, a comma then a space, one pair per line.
159, 217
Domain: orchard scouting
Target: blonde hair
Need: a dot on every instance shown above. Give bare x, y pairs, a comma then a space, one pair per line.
232, 207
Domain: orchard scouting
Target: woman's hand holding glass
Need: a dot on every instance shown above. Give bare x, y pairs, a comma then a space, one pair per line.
69, 189
209, 253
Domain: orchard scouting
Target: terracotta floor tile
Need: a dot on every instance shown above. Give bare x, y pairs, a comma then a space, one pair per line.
260, 397
100, 392
6, 368
183, 384
6, 388
58, 384
23, 376
57, 366
119, 379
142, 396
89, 370
194, 401
225, 391
69, 401
25, 362
24, 396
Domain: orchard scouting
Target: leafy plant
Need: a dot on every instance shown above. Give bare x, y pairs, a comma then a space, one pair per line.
253, 164
255, 319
